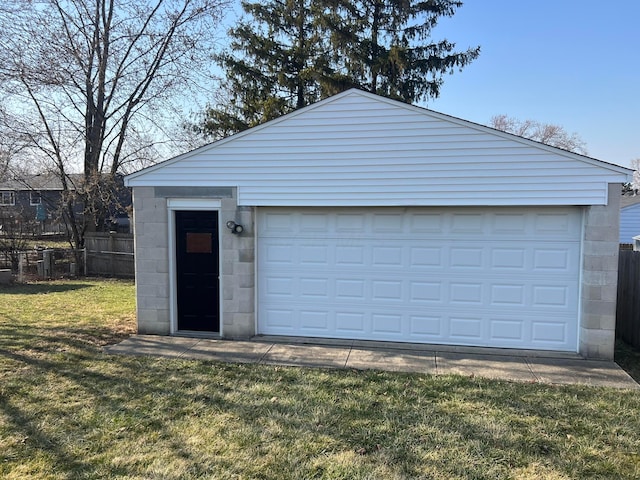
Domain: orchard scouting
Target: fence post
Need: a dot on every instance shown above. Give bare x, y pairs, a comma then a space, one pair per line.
21, 264
111, 249
47, 263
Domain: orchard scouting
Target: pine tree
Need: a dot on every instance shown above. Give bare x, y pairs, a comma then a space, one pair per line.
274, 66
289, 53
385, 46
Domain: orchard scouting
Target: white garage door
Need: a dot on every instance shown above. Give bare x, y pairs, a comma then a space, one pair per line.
500, 277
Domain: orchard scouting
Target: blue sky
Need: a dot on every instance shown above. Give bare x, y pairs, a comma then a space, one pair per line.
575, 63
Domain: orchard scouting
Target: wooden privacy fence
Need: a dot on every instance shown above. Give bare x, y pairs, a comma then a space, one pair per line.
628, 305
109, 254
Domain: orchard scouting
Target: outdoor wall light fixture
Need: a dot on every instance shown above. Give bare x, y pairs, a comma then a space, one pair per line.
235, 228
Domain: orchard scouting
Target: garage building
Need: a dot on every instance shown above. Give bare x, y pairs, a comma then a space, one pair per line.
364, 218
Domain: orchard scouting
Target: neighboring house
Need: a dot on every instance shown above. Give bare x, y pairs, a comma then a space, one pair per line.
37, 200
629, 218
34, 200
364, 218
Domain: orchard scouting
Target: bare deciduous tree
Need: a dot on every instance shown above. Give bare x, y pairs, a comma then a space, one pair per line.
633, 187
546, 133
90, 85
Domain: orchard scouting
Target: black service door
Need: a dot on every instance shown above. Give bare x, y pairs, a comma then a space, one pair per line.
198, 271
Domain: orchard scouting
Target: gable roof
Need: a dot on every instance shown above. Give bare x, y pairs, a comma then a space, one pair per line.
360, 149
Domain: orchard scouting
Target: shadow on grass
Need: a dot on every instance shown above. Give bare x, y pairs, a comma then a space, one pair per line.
628, 358
67, 402
46, 339
40, 288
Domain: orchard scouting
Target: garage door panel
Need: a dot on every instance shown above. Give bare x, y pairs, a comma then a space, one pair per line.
426, 257
390, 323
502, 277
350, 255
434, 326
509, 295
508, 258
462, 257
278, 253
282, 287
387, 223
314, 288
314, 222
429, 293
387, 256
282, 222
457, 256
466, 329
467, 223
349, 223
427, 222
555, 223
549, 333
387, 291
351, 322
507, 330
465, 293
315, 321
426, 327
509, 223
313, 254
490, 293
553, 259
281, 320
556, 296
350, 289
559, 223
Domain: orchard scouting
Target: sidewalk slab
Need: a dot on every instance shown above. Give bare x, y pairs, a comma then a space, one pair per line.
585, 372
426, 359
392, 360
487, 366
156, 345
229, 352
307, 356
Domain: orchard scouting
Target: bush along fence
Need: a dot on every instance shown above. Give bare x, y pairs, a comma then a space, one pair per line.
105, 254
628, 303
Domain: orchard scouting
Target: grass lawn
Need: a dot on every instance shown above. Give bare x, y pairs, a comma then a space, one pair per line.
68, 411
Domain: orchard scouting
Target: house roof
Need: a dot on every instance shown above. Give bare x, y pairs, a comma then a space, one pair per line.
40, 182
357, 148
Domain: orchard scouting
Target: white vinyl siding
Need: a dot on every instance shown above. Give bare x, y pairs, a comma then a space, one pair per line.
360, 150
500, 277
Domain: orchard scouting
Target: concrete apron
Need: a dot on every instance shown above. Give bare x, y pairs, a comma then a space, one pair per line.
503, 364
